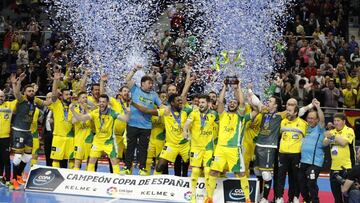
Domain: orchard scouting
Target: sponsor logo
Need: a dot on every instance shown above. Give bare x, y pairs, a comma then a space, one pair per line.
111, 191
43, 179
187, 196
238, 193
155, 193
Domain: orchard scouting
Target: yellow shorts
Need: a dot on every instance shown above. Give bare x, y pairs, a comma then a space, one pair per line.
200, 157
171, 151
98, 147
82, 150
36, 146
228, 156
120, 146
62, 148
155, 148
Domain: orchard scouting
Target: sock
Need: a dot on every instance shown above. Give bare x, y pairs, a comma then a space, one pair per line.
207, 175
91, 167
71, 163
148, 165
77, 168
267, 187
245, 186
195, 173
56, 163
33, 162
15, 171
212, 185
116, 169
21, 168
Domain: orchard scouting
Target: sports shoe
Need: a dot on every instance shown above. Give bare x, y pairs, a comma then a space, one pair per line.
125, 171
143, 172
20, 180
208, 200
263, 200
248, 201
8, 184
15, 185
296, 200
279, 200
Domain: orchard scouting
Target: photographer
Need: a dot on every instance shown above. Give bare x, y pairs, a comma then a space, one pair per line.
351, 186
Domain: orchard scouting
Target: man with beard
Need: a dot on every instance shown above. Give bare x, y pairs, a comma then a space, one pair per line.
202, 145
63, 136
83, 132
121, 106
230, 138
104, 140
22, 138
6, 111
293, 130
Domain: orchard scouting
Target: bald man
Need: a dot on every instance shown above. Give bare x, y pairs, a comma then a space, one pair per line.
6, 110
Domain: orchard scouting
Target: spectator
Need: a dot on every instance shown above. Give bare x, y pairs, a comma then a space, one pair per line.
331, 97
350, 96
300, 93
355, 57
310, 70
353, 44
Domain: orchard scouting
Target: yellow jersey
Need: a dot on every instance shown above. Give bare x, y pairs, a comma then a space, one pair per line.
104, 125
93, 100
230, 126
158, 129
350, 97
340, 156
174, 123
6, 111
34, 124
62, 119
118, 107
202, 129
81, 128
292, 133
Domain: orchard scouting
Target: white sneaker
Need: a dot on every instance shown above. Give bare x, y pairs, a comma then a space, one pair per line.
263, 200
279, 200
296, 200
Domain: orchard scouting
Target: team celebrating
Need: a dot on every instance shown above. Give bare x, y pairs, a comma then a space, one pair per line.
212, 134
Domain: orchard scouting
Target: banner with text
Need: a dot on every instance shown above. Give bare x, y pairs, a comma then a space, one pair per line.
161, 187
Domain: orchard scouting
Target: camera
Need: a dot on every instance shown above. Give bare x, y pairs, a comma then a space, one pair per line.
231, 80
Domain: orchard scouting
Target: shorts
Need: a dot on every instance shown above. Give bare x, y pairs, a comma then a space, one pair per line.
82, 146
82, 150
232, 157
200, 157
264, 158
155, 148
22, 140
170, 151
62, 148
99, 146
120, 146
36, 146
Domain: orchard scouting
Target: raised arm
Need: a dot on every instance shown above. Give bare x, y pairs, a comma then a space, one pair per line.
331, 139
187, 85
221, 99
153, 112
16, 85
321, 116
129, 81
103, 80
57, 76
79, 117
83, 80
